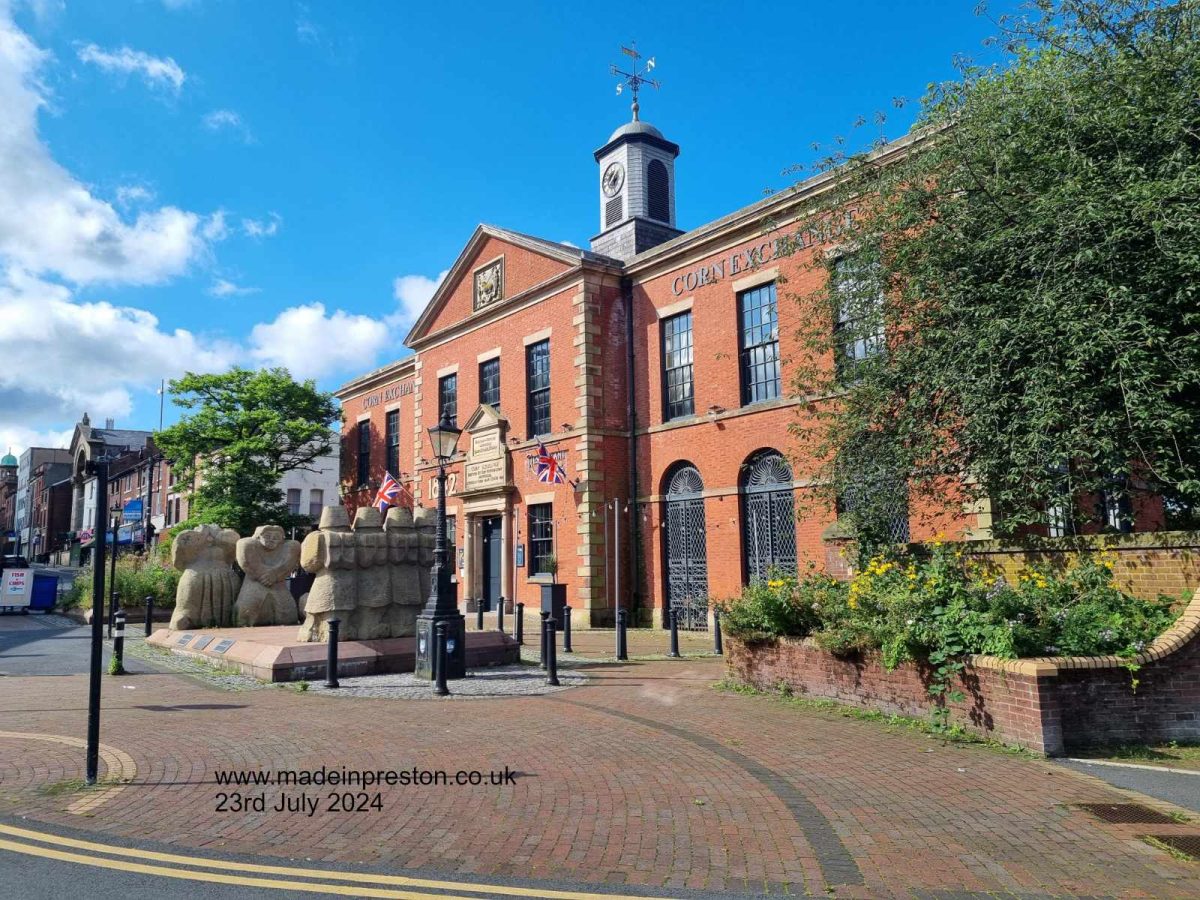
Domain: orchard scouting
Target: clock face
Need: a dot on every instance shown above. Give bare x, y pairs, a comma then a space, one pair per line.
614, 177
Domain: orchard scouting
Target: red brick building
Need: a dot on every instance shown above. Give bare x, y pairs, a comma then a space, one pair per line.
655, 367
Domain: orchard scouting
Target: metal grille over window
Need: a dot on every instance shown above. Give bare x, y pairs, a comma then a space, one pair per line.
448, 398
686, 549
760, 344
537, 368
489, 382
658, 188
769, 521
858, 328
393, 442
677, 366
879, 498
612, 212
541, 538
364, 452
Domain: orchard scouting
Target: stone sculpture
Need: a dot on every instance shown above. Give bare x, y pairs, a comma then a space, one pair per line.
373, 588
404, 577
267, 559
330, 553
209, 585
374, 578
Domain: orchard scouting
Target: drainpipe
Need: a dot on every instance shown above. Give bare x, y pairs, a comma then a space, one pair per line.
635, 554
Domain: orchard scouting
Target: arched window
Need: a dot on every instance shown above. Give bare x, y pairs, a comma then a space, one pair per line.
658, 191
768, 515
685, 548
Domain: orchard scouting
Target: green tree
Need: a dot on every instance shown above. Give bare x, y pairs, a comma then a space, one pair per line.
246, 429
1034, 260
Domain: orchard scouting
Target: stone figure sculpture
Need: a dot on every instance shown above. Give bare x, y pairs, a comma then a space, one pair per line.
330, 553
267, 559
209, 586
404, 577
373, 587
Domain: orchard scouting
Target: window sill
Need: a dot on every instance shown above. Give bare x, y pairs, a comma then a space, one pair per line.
541, 578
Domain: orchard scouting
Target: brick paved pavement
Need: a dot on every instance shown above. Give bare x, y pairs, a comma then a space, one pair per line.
644, 776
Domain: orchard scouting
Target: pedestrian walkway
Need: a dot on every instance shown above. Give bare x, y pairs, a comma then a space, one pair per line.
643, 777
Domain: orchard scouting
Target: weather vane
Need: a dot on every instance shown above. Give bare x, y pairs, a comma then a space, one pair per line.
635, 79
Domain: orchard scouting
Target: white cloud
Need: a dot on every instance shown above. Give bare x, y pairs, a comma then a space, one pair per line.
228, 120
214, 227
225, 288
312, 343
49, 221
413, 293
155, 71
62, 357
259, 228
306, 29
132, 194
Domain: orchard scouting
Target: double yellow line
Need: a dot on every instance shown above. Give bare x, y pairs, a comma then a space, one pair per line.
287, 878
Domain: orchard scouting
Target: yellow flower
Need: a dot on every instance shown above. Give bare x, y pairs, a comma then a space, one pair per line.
852, 603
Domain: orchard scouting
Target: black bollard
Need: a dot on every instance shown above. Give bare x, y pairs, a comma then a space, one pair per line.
479, 615
567, 630
674, 654
519, 631
500, 616
551, 653
717, 646
439, 676
118, 667
112, 609
331, 662
545, 616
149, 614
622, 637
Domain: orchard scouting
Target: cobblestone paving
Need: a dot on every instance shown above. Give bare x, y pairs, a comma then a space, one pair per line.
644, 775
228, 679
480, 684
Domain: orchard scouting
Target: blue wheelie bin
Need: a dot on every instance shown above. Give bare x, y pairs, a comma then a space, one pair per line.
45, 592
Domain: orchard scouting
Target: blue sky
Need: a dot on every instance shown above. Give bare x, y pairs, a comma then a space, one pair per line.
200, 183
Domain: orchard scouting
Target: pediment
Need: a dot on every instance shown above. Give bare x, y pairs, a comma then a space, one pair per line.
485, 416
495, 266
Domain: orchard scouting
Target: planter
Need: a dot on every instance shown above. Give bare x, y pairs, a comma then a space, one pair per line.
554, 598
1051, 705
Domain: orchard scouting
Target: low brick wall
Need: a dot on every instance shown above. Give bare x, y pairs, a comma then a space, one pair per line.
1051, 705
1145, 565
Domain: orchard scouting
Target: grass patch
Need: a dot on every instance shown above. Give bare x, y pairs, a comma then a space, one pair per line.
955, 734
1167, 848
1172, 754
74, 786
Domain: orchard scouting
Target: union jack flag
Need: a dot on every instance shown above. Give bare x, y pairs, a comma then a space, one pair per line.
548, 469
389, 493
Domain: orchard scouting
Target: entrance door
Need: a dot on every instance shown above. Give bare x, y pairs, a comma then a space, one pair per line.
687, 555
491, 562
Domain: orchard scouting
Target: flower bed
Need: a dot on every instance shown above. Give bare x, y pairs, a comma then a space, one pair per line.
1055, 661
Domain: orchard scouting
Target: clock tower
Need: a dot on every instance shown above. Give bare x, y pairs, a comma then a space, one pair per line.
637, 181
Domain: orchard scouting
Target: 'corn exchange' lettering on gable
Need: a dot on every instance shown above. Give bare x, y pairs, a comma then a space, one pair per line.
753, 257
395, 392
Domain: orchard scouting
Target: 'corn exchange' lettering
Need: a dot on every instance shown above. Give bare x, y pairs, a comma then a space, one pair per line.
395, 392
753, 257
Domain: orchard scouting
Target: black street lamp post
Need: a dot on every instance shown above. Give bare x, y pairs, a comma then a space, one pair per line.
441, 607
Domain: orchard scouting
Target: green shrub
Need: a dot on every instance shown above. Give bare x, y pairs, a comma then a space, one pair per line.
940, 606
137, 578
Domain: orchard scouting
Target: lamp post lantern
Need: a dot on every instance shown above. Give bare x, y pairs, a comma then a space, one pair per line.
442, 606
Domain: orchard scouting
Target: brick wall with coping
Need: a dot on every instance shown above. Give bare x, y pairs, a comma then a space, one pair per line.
1051, 705
1145, 565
